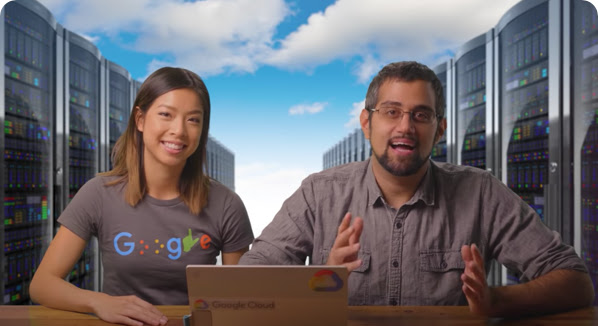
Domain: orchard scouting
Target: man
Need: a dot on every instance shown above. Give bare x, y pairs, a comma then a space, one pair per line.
426, 230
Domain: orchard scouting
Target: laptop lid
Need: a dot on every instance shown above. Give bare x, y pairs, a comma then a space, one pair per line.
233, 295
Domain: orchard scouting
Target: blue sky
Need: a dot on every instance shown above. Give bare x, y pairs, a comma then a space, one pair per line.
286, 78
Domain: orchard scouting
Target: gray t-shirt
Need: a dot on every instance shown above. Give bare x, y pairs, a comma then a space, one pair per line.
412, 255
146, 248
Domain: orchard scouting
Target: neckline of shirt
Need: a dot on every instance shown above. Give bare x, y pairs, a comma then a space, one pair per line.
163, 202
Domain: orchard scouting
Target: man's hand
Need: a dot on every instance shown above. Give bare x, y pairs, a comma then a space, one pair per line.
346, 245
475, 287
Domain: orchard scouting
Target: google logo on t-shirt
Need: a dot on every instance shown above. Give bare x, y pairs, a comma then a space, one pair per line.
199, 304
326, 280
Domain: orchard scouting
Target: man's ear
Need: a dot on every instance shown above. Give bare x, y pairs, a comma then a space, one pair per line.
440, 130
364, 121
139, 118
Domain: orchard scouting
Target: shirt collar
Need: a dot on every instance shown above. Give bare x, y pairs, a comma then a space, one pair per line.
425, 192
373, 191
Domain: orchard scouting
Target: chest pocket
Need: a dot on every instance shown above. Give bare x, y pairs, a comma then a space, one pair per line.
440, 278
358, 279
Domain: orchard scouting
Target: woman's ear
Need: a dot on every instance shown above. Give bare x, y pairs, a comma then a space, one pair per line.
139, 118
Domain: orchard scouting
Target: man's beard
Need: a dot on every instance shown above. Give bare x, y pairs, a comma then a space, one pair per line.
401, 169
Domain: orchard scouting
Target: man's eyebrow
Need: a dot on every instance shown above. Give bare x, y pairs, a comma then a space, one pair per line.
424, 107
399, 104
391, 103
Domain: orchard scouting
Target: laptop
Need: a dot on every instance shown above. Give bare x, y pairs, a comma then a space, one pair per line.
233, 295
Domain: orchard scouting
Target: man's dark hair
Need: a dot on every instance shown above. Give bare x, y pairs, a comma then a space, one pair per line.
405, 71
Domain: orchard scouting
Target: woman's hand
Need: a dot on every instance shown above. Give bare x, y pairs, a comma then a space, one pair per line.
128, 310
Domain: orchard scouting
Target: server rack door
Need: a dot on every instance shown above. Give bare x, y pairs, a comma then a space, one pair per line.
525, 76
29, 33
135, 86
350, 148
82, 129
439, 151
584, 100
119, 105
103, 102
346, 150
471, 110
360, 146
449, 97
470, 85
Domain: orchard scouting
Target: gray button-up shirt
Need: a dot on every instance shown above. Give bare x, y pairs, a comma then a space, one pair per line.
411, 256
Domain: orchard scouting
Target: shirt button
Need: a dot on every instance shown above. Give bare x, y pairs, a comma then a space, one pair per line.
393, 302
395, 263
443, 264
399, 225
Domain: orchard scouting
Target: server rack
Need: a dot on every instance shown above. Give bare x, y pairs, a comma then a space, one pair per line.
346, 149
83, 78
355, 144
528, 95
350, 147
360, 141
581, 33
470, 100
337, 154
442, 152
135, 86
367, 147
28, 90
119, 96
473, 112
220, 163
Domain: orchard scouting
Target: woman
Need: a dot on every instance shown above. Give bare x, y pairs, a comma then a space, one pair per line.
153, 214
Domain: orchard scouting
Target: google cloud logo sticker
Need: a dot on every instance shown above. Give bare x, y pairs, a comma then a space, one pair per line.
199, 304
326, 281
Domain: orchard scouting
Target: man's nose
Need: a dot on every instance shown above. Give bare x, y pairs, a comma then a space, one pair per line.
405, 122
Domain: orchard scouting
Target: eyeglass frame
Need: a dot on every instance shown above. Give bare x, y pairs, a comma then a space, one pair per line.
437, 116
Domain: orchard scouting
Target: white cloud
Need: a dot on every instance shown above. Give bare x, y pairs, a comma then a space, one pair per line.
90, 38
313, 108
264, 187
355, 112
393, 29
367, 68
209, 37
222, 36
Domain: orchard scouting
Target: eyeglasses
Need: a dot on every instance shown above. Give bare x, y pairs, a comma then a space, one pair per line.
419, 115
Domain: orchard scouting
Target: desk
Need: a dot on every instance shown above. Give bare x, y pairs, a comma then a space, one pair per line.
358, 316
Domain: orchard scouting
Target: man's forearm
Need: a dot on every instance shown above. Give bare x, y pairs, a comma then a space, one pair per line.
264, 253
253, 258
557, 291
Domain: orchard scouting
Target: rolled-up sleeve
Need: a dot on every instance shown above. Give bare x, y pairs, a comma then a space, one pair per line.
288, 239
519, 238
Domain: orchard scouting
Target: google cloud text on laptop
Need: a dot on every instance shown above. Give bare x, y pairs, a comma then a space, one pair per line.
236, 295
